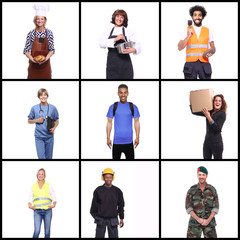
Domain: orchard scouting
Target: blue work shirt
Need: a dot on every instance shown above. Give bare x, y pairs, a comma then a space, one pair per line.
41, 128
123, 133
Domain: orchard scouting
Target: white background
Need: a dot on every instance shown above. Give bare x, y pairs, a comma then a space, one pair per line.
97, 97
62, 20
182, 133
139, 182
18, 139
176, 180
17, 180
143, 20
221, 19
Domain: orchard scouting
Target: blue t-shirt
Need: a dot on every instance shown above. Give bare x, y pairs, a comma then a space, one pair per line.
123, 133
41, 128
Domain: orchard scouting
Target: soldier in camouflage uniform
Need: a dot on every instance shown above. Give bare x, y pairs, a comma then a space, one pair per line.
202, 204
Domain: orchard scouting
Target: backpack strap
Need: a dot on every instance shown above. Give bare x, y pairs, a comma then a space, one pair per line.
115, 108
131, 108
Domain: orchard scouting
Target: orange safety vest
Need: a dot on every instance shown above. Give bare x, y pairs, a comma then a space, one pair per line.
196, 47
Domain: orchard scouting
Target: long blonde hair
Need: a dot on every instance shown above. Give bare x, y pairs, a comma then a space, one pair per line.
44, 173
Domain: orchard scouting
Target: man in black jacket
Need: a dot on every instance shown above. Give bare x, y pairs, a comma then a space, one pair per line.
107, 204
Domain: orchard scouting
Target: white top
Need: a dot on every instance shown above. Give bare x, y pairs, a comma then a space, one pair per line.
51, 194
197, 31
104, 42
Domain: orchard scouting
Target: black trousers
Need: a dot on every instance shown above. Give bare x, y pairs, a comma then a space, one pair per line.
194, 69
110, 223
211, 148
125, 148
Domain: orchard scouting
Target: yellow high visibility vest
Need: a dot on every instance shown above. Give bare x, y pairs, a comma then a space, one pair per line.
196, 47
41, 199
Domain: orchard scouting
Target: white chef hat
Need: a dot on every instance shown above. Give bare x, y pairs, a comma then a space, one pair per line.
41, 9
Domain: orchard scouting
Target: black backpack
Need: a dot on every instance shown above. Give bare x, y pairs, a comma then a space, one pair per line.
130, 105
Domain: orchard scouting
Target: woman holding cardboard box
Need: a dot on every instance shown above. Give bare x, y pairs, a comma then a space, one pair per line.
213, 144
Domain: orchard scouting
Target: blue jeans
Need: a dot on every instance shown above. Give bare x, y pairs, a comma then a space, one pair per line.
46, 215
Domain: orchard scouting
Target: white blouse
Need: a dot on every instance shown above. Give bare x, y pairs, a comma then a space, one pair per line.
104, 42
51, 194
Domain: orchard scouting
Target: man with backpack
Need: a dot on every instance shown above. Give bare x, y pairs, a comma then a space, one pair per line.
123, 112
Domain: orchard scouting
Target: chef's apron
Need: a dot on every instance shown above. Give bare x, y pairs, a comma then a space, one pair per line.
119, 66
35, 70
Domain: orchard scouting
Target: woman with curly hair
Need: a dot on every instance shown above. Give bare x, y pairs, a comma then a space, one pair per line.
119, 66
213, 144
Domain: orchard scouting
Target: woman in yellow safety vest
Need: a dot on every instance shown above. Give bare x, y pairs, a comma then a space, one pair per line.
42, 195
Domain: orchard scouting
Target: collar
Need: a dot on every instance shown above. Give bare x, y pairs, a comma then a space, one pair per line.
107, 187
204, 188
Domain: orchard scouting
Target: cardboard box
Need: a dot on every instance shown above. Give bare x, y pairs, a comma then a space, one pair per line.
200, 99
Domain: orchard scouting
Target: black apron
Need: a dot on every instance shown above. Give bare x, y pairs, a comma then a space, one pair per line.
119, 66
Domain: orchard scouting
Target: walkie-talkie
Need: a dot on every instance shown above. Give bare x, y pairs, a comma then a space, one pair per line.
190, 24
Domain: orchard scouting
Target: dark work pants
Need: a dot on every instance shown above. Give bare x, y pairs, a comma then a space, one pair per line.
194, 69
110, 223
125, 148
210, 148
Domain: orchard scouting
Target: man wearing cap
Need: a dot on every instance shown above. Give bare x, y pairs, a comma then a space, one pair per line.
107, 204
202, 204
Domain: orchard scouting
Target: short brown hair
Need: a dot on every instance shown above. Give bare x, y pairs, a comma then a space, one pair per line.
35, 21
41, 169
124, 14
41, 91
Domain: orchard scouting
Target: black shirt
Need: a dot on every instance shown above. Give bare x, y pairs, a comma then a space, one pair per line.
214, 129
107, 202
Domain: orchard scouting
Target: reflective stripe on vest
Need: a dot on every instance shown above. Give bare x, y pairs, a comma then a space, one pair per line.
44, 204
41, 198
194, 54
196, 47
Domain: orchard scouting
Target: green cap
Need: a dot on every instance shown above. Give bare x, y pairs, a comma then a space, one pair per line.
202, 169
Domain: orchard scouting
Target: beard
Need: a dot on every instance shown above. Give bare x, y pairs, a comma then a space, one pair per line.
198, 24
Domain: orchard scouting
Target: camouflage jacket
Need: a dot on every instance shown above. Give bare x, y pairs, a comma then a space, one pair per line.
202, 203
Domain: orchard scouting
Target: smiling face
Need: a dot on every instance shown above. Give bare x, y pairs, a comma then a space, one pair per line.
202, 177
43, 97
217, 103
123, 94
197, 18
108, 178
41, 175
119, 20
40, 21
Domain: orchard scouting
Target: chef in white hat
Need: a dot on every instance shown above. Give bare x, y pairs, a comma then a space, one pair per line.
39, 45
